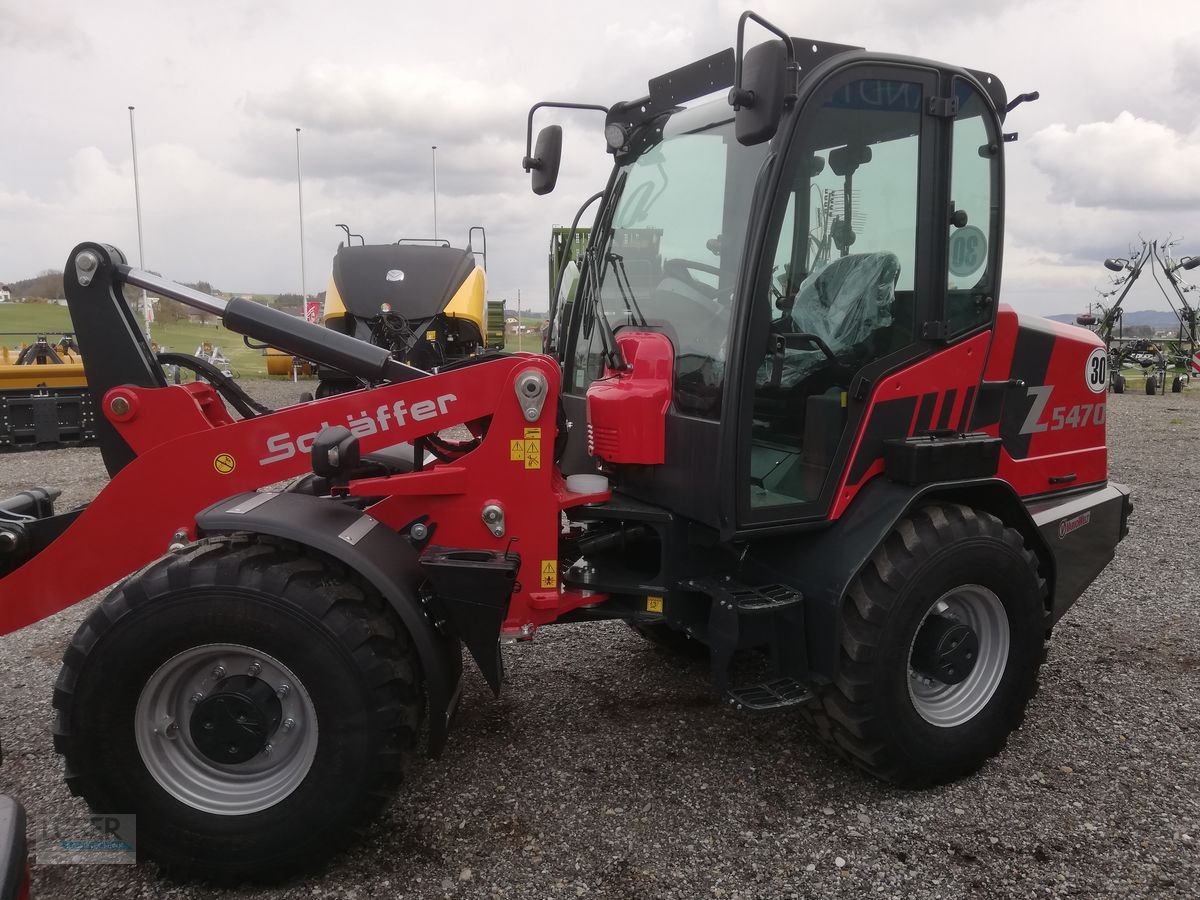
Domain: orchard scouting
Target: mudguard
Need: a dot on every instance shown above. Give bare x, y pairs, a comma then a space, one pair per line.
822, 565
375, 552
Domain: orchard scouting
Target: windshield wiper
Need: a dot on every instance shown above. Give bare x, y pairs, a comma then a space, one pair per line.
613, 358
626, 288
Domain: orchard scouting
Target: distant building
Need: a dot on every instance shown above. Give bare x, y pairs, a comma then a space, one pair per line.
5, 296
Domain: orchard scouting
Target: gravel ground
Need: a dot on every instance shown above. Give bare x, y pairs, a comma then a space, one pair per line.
608, 770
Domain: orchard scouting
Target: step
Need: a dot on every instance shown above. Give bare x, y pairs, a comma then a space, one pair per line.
769, 696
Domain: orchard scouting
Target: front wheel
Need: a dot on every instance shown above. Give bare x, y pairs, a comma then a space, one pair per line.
1151, 385
247, 702
1118, 384
941, 642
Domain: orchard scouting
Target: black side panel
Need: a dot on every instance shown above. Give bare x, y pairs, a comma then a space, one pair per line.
1031, 359
376, 553
1082, 531
428, 278
686, 483
887, 419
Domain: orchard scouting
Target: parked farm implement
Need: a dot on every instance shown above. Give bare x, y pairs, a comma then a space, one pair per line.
863, 468
44, 401
422, 299
1174, 357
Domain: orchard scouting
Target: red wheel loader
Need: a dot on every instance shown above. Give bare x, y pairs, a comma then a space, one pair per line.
786, 414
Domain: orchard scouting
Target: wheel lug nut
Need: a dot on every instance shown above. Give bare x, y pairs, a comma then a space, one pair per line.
218, 672
197, 697
267, 750
289, 724
254, 669
283, 691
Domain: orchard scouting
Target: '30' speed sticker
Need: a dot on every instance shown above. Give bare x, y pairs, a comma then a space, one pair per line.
1096, 371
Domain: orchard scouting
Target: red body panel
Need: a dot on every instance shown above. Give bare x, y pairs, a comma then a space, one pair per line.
936, 393
627, 411
1050, 419
188, 460
1053, 427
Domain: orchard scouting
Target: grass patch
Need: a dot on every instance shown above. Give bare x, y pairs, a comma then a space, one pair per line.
20, 323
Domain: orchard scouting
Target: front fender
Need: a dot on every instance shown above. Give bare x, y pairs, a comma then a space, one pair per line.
374, 551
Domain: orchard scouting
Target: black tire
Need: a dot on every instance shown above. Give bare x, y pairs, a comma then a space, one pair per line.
306, 397
1177, 385
1118, 384
869, 714
668, 639
1151, 385
349, 655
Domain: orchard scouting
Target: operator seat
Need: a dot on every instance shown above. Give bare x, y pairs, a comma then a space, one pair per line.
849, 305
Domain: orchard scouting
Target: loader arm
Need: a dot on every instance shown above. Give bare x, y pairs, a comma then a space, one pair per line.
186, 454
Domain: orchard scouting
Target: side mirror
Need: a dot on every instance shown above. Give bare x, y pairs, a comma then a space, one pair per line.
758, 96
543, 165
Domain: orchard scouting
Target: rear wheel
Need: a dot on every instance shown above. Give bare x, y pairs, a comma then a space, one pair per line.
1118, 384
1151, 385
942, 639
249, 703
1177, 385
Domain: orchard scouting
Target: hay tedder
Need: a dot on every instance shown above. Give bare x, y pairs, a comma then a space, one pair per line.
846, 457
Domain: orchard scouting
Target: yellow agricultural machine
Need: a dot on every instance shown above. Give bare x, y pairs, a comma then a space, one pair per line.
44, 401
422, 299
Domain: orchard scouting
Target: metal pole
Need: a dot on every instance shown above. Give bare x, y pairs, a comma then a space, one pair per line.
300, 197
520, 336
137, 197
434, 153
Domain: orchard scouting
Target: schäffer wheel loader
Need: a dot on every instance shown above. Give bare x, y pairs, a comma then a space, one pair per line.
806, 427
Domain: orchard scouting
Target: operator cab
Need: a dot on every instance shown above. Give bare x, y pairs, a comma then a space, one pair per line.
789, 274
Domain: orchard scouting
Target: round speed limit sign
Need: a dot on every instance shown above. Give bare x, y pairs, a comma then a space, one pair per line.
1095, 371
968, 250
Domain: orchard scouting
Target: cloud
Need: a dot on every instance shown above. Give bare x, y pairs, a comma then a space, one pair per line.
41, 27
1128, 163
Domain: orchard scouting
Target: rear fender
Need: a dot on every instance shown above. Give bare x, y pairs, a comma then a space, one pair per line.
823, 565
375, 552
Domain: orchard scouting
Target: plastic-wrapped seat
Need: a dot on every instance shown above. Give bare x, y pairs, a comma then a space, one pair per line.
848, 304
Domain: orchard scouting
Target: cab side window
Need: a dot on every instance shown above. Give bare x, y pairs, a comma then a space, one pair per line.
974, 217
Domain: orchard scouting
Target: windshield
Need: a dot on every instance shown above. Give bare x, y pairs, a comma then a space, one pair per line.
670, 259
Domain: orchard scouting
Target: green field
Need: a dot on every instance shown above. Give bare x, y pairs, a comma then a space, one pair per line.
31, 319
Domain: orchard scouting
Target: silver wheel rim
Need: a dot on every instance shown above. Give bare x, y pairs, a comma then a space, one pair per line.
948, 705
165, 743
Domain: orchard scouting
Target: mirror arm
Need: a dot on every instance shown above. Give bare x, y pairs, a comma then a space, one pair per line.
738, 95
529, 163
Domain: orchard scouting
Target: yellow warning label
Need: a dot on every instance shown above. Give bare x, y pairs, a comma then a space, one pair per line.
528, 450
654, 604
431, 336
533, 454
224, 463
549, 573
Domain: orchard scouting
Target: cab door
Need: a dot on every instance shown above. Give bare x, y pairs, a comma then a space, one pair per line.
841, 286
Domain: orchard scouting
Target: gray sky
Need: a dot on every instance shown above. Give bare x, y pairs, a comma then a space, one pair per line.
1112, 148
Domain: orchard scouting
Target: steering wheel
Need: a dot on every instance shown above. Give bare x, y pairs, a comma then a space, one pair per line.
682, 269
